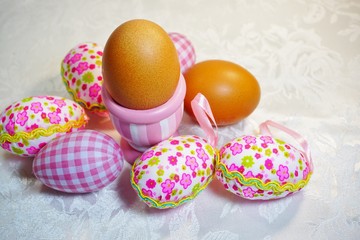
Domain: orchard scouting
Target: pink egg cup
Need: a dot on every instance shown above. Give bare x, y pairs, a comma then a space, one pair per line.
142, 129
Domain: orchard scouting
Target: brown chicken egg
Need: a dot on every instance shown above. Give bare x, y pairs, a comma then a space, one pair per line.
232, 91
141, 69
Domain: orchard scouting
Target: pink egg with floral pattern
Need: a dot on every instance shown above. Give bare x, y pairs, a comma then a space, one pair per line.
79, 162
28, 125
262, 168
184, 49
81, 71
174, 171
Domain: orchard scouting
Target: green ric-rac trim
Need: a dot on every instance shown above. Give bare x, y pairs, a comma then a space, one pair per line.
44, 132
170, 204
95, 107
272, 185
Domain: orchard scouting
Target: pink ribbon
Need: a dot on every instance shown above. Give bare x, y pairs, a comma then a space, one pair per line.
205, 117
264, 129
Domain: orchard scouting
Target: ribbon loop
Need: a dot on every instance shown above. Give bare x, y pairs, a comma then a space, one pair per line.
264, 129
205, 118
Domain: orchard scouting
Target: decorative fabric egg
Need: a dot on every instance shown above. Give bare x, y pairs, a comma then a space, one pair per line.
174, 171
27, 125
79, 162
81, 73
184, 49
262, 168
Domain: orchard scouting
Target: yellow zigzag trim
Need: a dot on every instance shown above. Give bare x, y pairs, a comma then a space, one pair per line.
44, 132
272, 185
96, 107
169, 204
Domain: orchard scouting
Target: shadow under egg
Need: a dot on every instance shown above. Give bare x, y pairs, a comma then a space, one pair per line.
125, 191
262, 213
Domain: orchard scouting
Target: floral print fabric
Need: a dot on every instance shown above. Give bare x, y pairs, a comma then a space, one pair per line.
82, 76
262, 167
173, 171
26, 126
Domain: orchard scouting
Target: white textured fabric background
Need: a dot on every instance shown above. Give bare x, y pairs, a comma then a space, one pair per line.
306, 57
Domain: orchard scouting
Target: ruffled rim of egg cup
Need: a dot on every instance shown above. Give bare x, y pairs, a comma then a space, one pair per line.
174, 107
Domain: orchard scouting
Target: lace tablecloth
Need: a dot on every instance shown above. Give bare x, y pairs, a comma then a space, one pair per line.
306, 57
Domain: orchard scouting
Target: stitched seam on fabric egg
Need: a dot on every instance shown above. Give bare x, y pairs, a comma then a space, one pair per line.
154, 202
272, 185
42, 132
93, 107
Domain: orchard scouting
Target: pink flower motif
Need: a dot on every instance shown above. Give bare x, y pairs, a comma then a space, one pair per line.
234, 167
36, 107
59, 102
191, 162
22, 118
67, 57
41, 145
185, 180
268, 164
150, 183
267, 139
248, 192
54, 118
172, 160
306, 172
167, 186
147, 193
202, 154
147, 155
283, 172
176, 178
94, 91
6, 146
250, 139
174, 142
32, 150
236, 148
249, 174
10, 127
257, 155
32, 127
83, 66
75, 58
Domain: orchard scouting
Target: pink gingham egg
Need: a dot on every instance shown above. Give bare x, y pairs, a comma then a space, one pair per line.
174, 171
185, 50
27, 125
262, 168
82, 76
79, 162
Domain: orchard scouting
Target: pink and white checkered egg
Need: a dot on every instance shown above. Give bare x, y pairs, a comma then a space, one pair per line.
185, 50
79, 162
